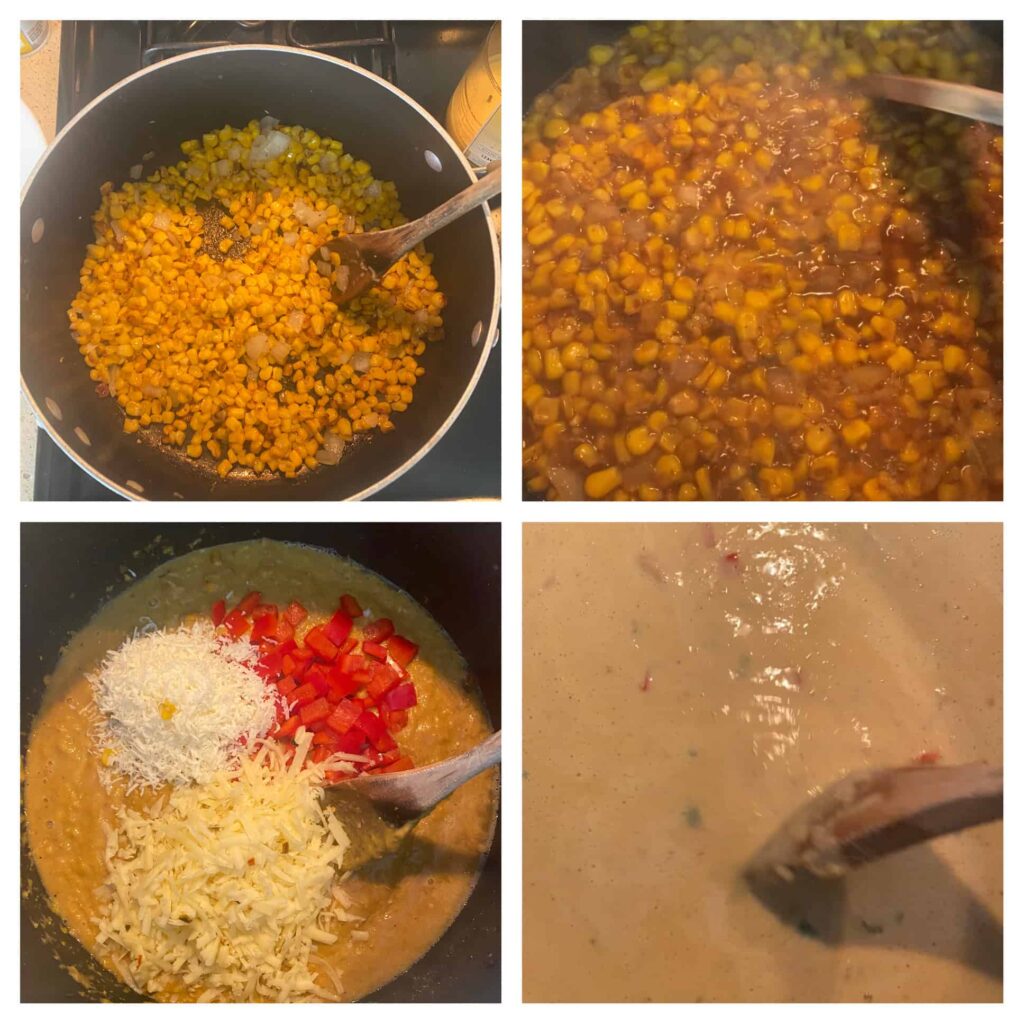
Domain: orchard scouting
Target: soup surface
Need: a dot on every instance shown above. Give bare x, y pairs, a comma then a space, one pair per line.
743, 279
686, 688
407, 899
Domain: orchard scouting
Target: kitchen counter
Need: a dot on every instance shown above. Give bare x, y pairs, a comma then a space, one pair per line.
39, 91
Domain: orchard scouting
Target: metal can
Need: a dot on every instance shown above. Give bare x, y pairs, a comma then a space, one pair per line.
33, 35
474, 114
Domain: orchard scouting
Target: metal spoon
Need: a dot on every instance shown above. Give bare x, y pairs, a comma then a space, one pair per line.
379, 811
869, 814
369, 256
951, 97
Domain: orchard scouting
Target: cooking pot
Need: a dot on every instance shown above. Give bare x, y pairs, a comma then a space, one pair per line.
153, 112
100, 560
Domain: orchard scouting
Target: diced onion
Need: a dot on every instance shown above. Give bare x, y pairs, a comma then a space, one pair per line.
688, 194
279, 351
330, 453
290, 237
135, 172
361, 362
255, 346
296, 319
341, 277
305, 214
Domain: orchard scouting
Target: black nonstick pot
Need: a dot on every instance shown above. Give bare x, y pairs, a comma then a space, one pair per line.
454, 571
152, 112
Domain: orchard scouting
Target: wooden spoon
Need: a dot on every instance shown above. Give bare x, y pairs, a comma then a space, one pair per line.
367, 257
869, 814
950, 97
379, 811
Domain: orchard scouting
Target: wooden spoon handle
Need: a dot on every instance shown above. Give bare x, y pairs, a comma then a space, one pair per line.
446, 776
907, 806
411, 234
869, 814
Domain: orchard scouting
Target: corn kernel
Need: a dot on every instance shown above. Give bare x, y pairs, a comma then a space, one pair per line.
602, 482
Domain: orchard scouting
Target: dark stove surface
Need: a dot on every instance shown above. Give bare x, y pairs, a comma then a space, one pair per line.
425, 60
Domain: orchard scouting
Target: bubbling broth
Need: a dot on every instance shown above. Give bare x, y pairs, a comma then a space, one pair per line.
686, 688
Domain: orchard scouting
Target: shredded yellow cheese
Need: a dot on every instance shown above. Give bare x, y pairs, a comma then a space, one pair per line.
226, 888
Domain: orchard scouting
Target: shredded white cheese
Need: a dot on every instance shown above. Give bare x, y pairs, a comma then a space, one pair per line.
227, 887
174, 705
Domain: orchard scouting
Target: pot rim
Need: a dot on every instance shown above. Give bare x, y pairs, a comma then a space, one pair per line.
487, 338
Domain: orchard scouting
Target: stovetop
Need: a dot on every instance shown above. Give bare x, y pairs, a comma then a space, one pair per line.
425, 60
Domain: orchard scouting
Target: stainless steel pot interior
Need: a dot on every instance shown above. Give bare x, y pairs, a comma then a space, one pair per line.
153, 112
453, 571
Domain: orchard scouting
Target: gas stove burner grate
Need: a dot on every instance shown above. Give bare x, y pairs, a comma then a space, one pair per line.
369, 44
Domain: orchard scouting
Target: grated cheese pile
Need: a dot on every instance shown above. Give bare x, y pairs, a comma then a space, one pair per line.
227, 886
176, 704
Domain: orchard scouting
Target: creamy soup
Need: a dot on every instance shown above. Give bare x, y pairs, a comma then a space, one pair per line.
686, 687
408, 899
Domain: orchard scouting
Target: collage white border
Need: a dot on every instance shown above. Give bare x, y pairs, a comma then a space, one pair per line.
512, 512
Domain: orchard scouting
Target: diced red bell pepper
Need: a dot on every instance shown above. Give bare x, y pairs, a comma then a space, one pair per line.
305, 694
319, 754
401, 697
351, 607
325, 738
342, 682
348, 646
283, 632
375, 650
315, 712
218, 611
286, 686
317, 642
378, 631
396, 720
344, 716
369, 723
382, 758
317, 676
262, 625
249, 602
295, 613
350, 663
385, 742
402, 650
236, 623
403, 764
352, 742
286, 728
270, 665
297, 661
338, 627
263, 609
384, 677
